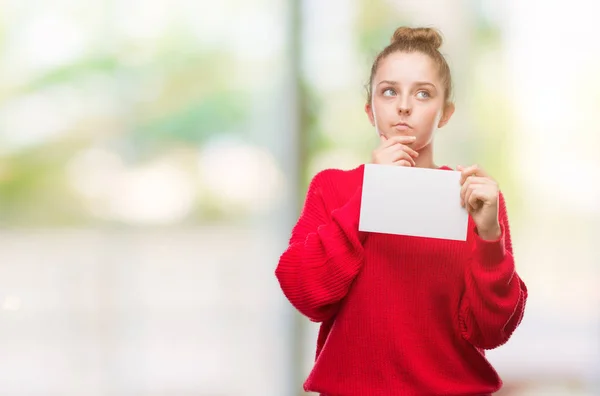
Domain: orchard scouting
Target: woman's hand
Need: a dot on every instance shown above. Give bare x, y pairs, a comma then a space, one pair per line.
479, 195
393, 151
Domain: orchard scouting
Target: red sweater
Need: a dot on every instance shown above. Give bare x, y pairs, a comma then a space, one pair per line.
399, 315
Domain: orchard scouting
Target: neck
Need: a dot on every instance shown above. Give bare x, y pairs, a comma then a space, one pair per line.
425, 158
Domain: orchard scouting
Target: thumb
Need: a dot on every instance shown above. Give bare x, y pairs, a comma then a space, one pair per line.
460, 168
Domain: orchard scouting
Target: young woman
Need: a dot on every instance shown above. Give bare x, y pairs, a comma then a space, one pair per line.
403, 315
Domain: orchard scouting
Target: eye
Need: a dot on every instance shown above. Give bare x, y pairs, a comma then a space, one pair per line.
389, 92
423, 95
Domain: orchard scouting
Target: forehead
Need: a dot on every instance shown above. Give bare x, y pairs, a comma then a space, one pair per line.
406, 67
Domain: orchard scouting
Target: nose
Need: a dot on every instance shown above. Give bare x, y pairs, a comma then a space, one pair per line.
404, 111
404, 106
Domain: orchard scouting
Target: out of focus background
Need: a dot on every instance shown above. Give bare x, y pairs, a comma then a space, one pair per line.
154, 156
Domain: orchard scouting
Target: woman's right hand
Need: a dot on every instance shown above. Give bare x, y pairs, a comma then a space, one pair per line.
393, 151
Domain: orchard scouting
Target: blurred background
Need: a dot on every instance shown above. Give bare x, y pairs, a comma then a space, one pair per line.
154, 156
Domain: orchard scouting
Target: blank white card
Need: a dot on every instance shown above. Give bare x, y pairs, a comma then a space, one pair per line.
412, 201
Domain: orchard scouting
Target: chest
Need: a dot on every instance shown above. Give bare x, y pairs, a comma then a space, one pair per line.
413, 263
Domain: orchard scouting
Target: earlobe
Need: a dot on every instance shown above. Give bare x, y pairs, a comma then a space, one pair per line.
448, 111
369, 112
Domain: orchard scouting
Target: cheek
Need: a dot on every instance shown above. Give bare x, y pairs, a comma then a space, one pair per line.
430, 115
384, 111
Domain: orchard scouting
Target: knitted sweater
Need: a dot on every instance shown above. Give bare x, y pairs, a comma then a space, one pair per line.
399, 315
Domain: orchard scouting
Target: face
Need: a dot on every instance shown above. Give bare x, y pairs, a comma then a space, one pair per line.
408, 98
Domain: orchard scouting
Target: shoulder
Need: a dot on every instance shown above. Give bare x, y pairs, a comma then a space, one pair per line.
337, 177
335, 186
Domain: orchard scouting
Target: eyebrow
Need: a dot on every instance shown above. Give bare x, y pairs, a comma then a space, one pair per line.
394, 83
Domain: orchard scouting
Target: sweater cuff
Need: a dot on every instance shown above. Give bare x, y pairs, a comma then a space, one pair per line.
489, 253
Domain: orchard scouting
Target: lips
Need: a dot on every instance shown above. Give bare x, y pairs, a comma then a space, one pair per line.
402, 126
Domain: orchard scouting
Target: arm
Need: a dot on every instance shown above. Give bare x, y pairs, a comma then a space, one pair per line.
494, 300
324, 254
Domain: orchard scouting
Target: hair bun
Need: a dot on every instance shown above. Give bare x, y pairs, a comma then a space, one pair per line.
427, 36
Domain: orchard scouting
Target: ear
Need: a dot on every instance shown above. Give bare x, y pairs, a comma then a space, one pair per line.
369, 111
448, 111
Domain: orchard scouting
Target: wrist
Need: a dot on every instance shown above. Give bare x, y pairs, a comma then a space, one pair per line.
491, 233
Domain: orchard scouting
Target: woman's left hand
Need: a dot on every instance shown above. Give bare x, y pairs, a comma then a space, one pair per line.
479, 194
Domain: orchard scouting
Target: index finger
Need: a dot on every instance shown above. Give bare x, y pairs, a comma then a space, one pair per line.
401, 139
473, 170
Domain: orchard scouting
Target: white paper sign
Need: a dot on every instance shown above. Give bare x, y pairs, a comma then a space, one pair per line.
412, 201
